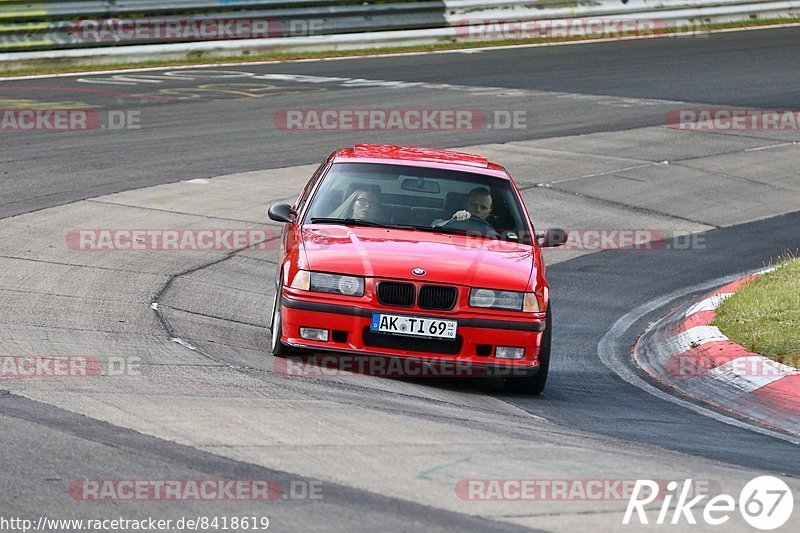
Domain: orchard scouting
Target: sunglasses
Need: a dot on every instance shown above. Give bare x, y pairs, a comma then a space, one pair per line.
363, 202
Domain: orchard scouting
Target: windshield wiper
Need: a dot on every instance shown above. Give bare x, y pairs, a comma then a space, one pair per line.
440, 229
347, 222
456, 231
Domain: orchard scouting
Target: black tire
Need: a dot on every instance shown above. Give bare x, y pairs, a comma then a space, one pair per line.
279, 349
534, 385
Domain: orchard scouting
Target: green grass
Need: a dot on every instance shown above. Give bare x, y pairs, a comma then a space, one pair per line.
288, 56
764, 315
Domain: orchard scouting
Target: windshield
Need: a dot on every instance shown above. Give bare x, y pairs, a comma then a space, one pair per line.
419, 198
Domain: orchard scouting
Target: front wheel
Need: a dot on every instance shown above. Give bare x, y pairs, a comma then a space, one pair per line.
535, 384
279, 349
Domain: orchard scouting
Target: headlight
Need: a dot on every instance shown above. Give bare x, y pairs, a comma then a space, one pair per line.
329, 283
481, 298
510, 300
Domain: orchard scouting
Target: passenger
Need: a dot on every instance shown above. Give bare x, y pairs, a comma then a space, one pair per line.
362, 204
478, 204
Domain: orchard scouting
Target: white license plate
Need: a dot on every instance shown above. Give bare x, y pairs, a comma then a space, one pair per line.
414, 326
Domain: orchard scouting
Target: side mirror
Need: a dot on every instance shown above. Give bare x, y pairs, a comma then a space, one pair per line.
281, 213
552, 237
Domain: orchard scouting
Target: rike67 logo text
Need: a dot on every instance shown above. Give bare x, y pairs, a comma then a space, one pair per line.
765, 503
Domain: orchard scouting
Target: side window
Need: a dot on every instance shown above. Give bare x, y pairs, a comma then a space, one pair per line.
310, 186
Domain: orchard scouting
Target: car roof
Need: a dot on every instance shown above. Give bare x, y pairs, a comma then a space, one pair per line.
423, 156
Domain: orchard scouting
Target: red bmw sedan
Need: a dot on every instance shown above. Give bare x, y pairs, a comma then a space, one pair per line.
405, 252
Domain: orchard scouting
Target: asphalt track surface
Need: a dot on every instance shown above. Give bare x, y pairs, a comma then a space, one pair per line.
210, 133
221, 133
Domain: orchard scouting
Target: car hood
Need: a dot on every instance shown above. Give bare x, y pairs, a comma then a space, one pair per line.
392, 253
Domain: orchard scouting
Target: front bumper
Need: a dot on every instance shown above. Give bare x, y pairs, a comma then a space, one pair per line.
478, 336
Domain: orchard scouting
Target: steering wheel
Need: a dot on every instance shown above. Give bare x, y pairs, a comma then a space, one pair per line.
473, 225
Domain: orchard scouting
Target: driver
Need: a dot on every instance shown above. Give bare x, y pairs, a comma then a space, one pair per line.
478, 204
